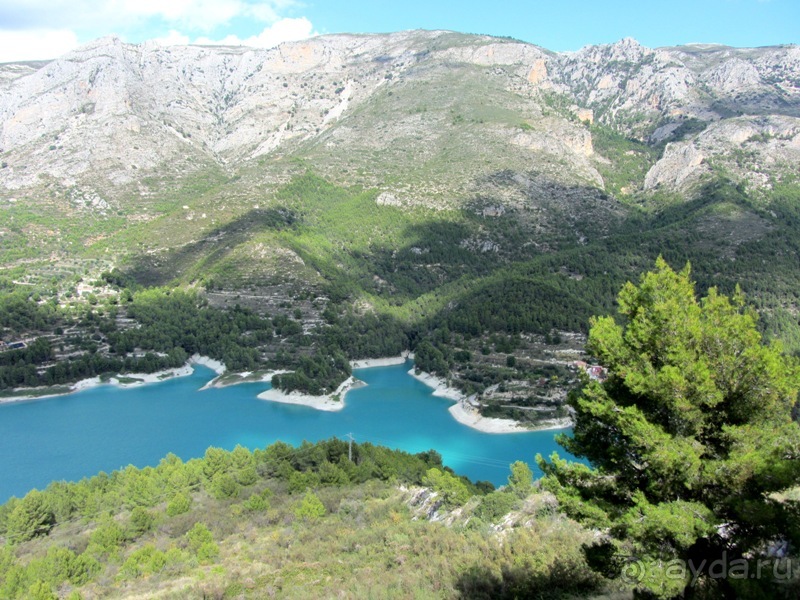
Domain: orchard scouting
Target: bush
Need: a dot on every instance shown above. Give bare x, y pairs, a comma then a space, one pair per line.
179, 504
256, 503
208, 552
224, 486
521, 479
300, 482
311, 508
141, 522
197, 536
215, 462
333, 474
495, 505
247, 476
60, 565
30, 518
450, 488
201, 543
40, 591
144, 561
106, 539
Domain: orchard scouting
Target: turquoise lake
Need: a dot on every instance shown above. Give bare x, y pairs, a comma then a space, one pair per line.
106, 428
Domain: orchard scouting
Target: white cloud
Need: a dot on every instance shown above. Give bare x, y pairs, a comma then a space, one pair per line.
173, 38
101, 17
46, 29
284, 30
203, 15
35, 44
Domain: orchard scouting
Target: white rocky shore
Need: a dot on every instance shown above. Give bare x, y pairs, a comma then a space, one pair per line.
463, 411
136, 379
466, 413
327, 402
390, 361
336, 400
125, 380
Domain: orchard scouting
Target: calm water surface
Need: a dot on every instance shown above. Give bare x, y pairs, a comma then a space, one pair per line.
106, 428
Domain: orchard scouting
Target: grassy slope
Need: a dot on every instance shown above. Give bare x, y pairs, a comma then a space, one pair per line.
421, 265
368, 539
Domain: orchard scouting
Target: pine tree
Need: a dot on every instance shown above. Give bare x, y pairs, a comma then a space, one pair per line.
30, 518
690, 439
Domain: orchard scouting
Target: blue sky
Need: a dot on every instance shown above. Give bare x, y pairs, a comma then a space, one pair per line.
38, 29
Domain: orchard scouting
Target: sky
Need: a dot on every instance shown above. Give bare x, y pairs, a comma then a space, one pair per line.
44, 29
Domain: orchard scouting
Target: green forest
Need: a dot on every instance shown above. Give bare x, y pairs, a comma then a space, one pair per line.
429, 287
690, 446
292, 522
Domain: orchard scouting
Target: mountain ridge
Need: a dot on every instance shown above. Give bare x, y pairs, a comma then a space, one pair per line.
147, 105
455, 152
475, 194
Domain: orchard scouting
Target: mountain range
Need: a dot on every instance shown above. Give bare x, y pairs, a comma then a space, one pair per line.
375, 158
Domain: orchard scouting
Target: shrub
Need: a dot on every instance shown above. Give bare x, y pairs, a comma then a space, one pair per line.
106, 539
143, 562
450, 488
216, 461
521, 479
224, 486
332, 474
40, 591
247, 476
141, 522
197, 536
208, 552
311, 508
179, 504
300, 482
256, 503
30, 518
495, 505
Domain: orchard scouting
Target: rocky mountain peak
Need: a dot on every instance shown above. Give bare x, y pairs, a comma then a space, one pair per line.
108, 112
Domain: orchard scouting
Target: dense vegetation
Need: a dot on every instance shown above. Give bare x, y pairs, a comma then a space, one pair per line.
293, 522
392, 279
316, 375
693, 446
171, 325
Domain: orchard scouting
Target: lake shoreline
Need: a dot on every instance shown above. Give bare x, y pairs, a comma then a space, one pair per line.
389, 361
463, 410
226, 379
124, 380
466, 412
334, 401
127, 380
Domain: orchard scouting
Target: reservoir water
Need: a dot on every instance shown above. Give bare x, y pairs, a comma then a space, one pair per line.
106, 428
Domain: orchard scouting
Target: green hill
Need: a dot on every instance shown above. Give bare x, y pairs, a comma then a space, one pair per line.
290, 523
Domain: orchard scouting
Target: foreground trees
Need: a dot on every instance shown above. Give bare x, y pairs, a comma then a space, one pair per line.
693, 445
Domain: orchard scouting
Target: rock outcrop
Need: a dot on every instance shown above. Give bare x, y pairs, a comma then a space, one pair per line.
433, 110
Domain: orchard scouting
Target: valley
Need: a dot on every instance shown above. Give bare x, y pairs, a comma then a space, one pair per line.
461, 190
481, 203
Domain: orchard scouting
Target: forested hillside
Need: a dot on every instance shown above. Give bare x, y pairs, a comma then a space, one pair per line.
358, 196
290, 522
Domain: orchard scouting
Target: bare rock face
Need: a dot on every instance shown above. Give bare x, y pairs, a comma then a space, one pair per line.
754, 149
681, 166
434, 111
624, 79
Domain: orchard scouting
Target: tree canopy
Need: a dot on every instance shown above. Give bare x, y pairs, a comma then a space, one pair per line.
691, 439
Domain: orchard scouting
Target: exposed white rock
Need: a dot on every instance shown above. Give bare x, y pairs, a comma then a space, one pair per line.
109, 113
